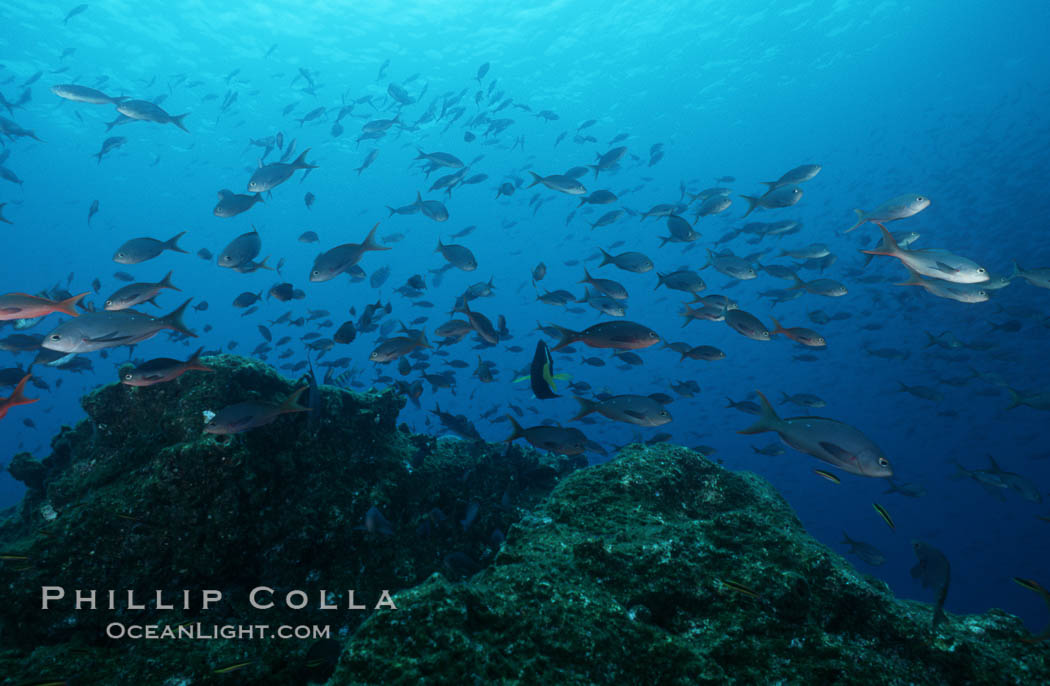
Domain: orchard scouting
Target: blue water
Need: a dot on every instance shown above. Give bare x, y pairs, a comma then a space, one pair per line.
943, 99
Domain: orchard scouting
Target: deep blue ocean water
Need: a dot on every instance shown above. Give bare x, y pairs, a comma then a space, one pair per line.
943, 99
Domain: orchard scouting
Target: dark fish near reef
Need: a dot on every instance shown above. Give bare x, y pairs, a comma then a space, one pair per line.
553, 439
933, 570
250, 415
162, 369
632, 409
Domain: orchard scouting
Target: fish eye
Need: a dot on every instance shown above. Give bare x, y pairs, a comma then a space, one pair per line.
56, 337
883, 462
127, 377
315, 273
982, 293
980, 270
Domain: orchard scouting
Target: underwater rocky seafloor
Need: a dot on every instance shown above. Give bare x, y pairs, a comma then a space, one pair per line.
617, 573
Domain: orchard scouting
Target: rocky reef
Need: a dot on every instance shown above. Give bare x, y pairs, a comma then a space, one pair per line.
657, 567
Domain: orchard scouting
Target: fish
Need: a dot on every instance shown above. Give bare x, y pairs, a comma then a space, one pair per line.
834, 442
71, 91
800, 334
747, 324
162, 370
245, 416
865, 551
144, 110
827, 475
609, 160
554, 439
632, 409
267, 177
541, 373
621, 335
885, 515
1039, 278
341, 258
936, 264
241, 250
141, 249
900, 207
558, 182
98, 330
797, 175
231, 204
458, 256
629, 261
779, 197
79, 9
933, 571
17, 397
138, 293
393, 348
15, 306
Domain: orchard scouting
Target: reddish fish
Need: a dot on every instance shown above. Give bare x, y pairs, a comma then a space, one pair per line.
16, 398
22, 306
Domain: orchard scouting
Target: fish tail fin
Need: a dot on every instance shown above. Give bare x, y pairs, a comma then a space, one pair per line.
392, 211
846, 539
166, 283
752, 203
567, 337
771, 184
1017, 270
1015, 398
536, 178
777, 328
195, 362
586, 276
516, 430
291, 403
784, 396
174, 321
370, 241
258, 198
177, 121
606, 258
439, 246
422, 341
767, 421
587, 406
18, 396
68, 306
663, 241
860, 220
595, 168
173, 243
301, 163
660, 279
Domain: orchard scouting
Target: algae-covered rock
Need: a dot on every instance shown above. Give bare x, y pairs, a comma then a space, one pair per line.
639, 571
138, 497
658, 567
